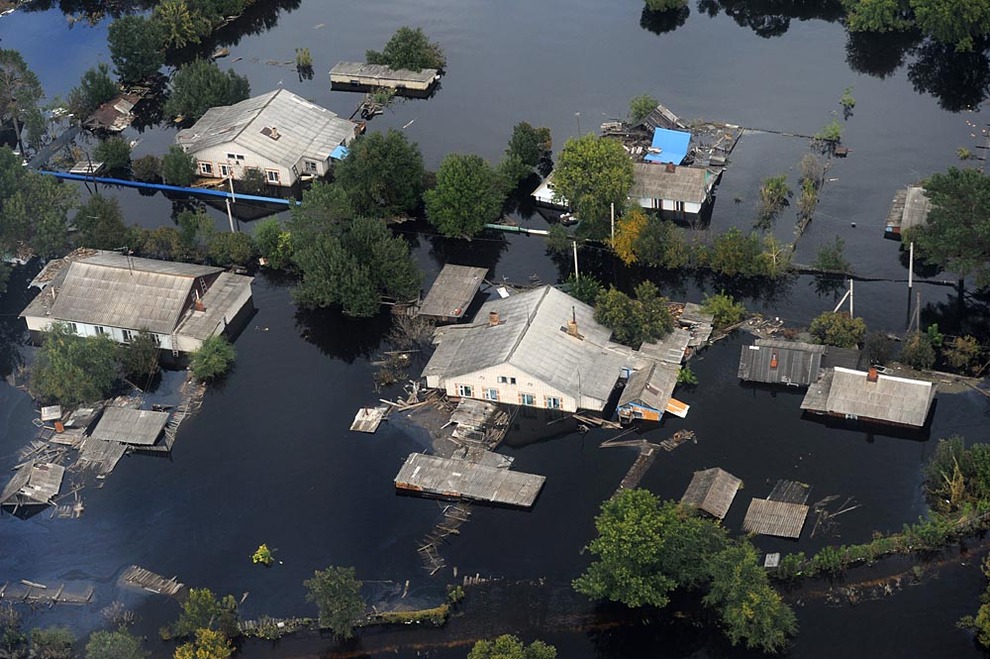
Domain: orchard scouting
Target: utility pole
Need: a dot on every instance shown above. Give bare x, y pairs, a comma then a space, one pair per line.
613, 221
577, 275
577, 115
910, 268
230, 215
852, 313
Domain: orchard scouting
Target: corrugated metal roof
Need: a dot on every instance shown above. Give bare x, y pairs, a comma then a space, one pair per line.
890, 399
670, 145
531, 336
669, 349
303, 129
712, 490
129, 426
781, 362
381, 71
686, 184
916, 208
219, 303
452, 291
652, 386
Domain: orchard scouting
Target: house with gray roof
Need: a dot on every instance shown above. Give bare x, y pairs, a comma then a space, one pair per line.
871, 396
673, 189
777, 361
282, 135
541, 348
100, 293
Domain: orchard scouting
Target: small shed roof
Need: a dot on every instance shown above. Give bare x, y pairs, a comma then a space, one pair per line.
33, 484
694, 313
652, 386
916, 208
461, 479
712, 490
220, 305
51, 413
671, 182
668, 146
381, 72
452, 292
778, 518
670, 348
889, 399
781, 362
130, 426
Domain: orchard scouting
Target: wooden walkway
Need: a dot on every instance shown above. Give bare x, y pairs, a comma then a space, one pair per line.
139, 577
647, 454
36, 593
457, 479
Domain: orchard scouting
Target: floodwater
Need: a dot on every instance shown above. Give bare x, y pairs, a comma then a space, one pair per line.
269, 458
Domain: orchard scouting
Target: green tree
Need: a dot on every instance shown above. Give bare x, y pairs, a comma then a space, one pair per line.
20, 91
273, 243
956, 235
628, 230
724, 308
114, 153
213, 359
201, 85
531, 145
830, 132
139, 358
662, 244
114, 645
510, 647
178, 167
71, 370
956, 22
41, 209
963, 353
735, 253
665, 5
382, 174
95, 88
337, 593
253, 181
148, 168
876, 347
751, 611
558, 240
101, 223
838, 329
634, 321
587, 288
179, 25
52, 643
877, 15
468, 195
918, 351
831, 257
774, 196
202, 610
227, 249
135, 48
592, 173
641, 106
207, 644
646, 548
409, 49
11, 635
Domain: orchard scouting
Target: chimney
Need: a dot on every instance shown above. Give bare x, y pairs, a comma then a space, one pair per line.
773, 361
198, 306
493, 318
572, 326
671, 168
872, 375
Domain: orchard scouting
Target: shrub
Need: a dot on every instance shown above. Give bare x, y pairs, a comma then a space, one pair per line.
253, 181
877, 348
918, 351
114, 152
227, 249
71, 369
962, 353
147, 168
178, 167
642, 105
263, 555
273, 243
213, 359
831, 257
838, 329
725, 309
830, 132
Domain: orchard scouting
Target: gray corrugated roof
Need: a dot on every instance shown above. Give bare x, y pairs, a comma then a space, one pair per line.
304, 128
530, 337
796, 363
652, 386
916, 208
452, 292
687, 184
219, 303
891, 399
712, 490
669, 349
381, 71
129, 426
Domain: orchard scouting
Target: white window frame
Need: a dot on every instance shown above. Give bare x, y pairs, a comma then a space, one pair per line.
490, 394
128, 335
206, 168
527, 399
224, 169
271, 175
101, 330
310, 166
74, 328
552, 403
465, 390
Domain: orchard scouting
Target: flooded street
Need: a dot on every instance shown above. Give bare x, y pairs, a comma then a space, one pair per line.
269, 458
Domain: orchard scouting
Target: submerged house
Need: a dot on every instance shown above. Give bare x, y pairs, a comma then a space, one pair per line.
776, 361
99, 293
649, 393
359, 76
871, 396
677, 191
282, 135
910, 208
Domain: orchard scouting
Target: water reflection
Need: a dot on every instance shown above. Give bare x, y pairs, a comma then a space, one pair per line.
485, 251
660, 22
772, 18
341, 337
960, 81
879, 55
92, 10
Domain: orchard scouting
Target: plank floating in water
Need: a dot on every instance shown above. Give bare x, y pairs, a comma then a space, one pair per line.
139, 577
458, 479
369, 418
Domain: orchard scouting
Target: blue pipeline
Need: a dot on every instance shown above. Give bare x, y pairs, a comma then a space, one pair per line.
167, 188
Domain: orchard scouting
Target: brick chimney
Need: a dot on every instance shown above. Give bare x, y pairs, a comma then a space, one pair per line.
671, 168
773, 360
493, 319
872, 375
198, 305
572, 326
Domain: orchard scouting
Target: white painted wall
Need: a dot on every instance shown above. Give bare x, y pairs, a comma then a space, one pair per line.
509, 393
39, 324
217, 156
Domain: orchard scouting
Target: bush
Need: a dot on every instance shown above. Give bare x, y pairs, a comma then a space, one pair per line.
71, 369
830, 132
114, 153
178, 167
273, 243
918, 351
202, 610
725, 309
213, 359
147, 168
831, 257
52, 643
827, 561
665, 5
139, 358
263, 555
838, 329
963, 354
877, 348
114, 645
686, 376
337, 593
642, 105
409, 49
586, 288
227, 249
253, 181
201, 85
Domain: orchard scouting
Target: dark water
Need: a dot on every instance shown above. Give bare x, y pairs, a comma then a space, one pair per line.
269, 458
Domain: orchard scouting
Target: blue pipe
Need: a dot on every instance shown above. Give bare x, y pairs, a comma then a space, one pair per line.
166, 188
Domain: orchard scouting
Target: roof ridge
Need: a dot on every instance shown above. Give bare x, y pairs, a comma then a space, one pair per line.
529, 322
258, 113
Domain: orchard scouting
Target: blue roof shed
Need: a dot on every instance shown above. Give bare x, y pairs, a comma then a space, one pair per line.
672, 146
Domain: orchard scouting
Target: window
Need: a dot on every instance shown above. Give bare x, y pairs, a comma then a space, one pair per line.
206, 169
101, 331
128, 335
552, 402
157, 339
527, 399
225, 170
272, 175
465, 390
679, 206
240, 156
74, 328
512, 380
491, 394
502, 379
311, 166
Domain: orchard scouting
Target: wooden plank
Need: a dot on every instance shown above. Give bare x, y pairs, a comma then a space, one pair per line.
459, 479
776, 518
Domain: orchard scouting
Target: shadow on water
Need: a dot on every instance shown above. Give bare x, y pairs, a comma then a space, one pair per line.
959, 80
874, 430
772, 18
485, 251
879, 55
661, 22
340, 337
92, 10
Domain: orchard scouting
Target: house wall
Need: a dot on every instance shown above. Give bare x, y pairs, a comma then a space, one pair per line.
370, 81
39, 325
483, 380
668, 205
217, 156
241, 303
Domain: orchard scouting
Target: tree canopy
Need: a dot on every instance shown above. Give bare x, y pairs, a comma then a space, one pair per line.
409, 48
592, 173
213, 359
469, 194
956, 236
20, 91
135, 48
178, 167
382, 174
201, 85
71, 369
508, 646
120, 644
95, 88
202, 610
337, 593
641, 106
634, 321
101, 223
207, 644
957, 23
838, 329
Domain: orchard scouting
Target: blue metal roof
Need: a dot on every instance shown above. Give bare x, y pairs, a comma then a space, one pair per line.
673, 146
339, 153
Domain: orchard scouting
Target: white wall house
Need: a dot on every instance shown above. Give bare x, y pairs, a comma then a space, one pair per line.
282, 135
680, 191
110, 294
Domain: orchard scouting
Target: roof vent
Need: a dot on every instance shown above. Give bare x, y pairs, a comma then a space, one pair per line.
872, 375
271, 131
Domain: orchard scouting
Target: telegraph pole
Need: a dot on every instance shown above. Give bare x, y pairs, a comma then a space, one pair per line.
577, 275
